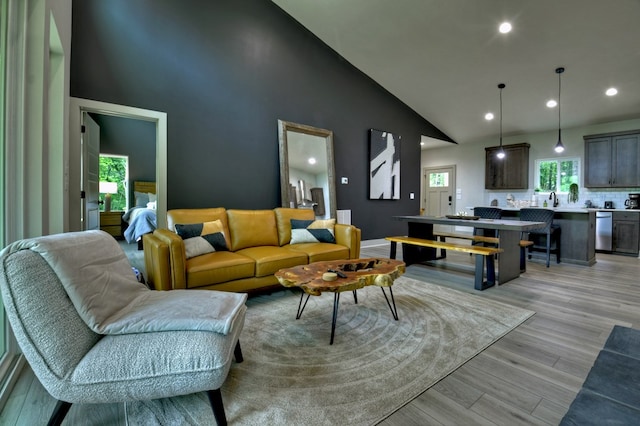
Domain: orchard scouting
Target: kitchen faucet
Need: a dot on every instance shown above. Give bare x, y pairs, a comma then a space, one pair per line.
555, 199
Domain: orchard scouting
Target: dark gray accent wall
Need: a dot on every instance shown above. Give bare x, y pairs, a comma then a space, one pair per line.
134, 138
225, 71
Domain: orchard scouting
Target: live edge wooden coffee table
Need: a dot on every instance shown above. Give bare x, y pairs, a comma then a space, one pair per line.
352, 275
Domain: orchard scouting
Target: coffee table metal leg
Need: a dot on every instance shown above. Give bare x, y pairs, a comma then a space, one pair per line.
336, 301
301, 306
394, 310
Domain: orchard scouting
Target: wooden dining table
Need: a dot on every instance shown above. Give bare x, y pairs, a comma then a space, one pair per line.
509, 234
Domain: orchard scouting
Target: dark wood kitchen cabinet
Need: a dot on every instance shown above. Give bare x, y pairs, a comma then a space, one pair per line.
612, 160
626, 232
511, 172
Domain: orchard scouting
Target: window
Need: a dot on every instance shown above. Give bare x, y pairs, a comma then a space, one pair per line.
115, 168
557, 174
438, 180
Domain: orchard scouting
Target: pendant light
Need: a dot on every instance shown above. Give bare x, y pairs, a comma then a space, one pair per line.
559, 146
501, 154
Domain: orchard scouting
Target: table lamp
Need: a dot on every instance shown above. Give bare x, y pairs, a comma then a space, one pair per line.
108, 188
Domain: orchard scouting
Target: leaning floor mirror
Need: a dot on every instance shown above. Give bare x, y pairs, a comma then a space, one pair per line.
307, 168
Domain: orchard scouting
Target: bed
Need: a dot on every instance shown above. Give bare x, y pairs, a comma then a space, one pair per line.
141, 218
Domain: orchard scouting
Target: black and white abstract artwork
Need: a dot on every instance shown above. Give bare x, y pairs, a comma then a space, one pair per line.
384, 165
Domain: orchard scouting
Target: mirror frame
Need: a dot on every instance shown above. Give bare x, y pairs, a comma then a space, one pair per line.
287, 126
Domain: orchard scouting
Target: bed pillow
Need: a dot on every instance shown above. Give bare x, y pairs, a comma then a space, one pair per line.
202, 238
141, 198
312, 231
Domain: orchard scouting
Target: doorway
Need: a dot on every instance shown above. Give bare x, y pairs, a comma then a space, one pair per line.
438, 184
78, 107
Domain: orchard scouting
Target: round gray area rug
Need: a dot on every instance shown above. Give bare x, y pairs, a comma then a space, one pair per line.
291, 375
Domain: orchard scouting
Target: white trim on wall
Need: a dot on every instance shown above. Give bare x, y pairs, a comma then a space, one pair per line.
18, 90
77, 107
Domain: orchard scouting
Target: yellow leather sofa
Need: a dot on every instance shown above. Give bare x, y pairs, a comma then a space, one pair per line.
258, 243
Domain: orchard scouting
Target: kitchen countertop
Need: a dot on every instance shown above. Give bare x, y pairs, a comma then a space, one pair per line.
561, 209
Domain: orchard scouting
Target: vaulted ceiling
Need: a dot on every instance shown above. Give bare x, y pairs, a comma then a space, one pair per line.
445, 58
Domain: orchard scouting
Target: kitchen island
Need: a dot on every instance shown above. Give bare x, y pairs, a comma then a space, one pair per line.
578, 236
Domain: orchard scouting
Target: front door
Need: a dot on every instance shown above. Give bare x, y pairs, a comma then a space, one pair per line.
438, 193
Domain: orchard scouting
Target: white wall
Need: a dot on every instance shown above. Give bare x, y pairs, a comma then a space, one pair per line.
36, 134
470, 162
58, 114
39, 48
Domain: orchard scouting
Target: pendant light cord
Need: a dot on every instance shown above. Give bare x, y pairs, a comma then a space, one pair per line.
501, 116
501, 86
501, 154
559, 91
559, 146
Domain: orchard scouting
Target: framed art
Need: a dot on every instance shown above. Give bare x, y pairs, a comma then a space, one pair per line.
384, 165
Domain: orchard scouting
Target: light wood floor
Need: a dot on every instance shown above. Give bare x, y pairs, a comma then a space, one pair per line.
528, 377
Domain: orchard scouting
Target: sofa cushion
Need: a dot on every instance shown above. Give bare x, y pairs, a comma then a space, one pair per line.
270, 259
218, 267
252, 228
202, 238
312, 231
320, 252
283, 219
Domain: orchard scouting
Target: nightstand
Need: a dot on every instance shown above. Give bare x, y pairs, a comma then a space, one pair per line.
111, 222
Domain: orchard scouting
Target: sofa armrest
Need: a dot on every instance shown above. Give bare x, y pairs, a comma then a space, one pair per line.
156, 262
177, 259
349, 236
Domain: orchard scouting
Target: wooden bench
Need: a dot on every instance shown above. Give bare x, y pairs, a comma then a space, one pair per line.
442, 236
475, 238
480, 252
523, 254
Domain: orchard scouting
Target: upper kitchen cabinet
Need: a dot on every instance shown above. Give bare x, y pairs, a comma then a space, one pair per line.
510, 172
612, 160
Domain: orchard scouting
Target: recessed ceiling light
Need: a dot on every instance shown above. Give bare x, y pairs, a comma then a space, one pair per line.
552, 103
612, 91
505, 27
488, 116
312, 160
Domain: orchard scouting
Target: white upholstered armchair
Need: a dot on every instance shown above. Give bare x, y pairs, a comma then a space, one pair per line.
93, 334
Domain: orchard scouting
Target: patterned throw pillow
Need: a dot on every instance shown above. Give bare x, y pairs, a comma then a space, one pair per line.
202, 238
312, 231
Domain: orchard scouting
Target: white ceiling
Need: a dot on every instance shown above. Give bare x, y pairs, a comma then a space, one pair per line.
445, 58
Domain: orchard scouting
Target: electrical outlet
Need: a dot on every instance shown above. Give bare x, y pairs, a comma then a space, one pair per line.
412, 195
345, 181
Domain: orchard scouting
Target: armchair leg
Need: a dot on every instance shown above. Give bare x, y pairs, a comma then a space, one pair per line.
215, 398
237, 352
59, 413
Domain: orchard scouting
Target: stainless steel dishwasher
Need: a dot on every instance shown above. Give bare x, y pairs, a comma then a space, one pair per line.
604, 231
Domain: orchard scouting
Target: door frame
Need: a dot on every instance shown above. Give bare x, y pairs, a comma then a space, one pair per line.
76, 107
424, 183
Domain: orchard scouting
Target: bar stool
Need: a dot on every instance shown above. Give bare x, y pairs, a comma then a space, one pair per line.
487, 213
545, 239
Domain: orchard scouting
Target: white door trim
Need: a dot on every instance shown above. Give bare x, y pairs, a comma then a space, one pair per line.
425, 185
77, 107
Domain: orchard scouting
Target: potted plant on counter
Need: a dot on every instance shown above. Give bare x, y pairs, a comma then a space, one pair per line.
573, 193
